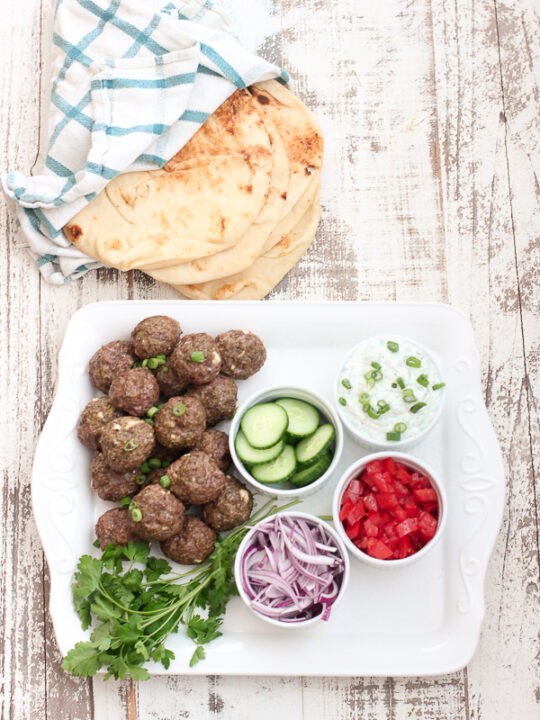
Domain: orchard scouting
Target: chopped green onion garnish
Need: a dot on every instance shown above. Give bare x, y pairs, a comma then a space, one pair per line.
96, 543
140, 479
400, 382
145, 362
408, 396
383, 409
376, 365
154, 463
370, 381
346, 383
152, 411
165, 463
371, 412
393, 436
392, 346
364, 397
400, 427
164, 481
149, 421
377, 375
394, 385
164, 369
160, 405
417, 407
136, 515
179, 409
136, 364
198, 356
125, 502
438, 386
130, 445
161, 358
153, 363
342, 401
145, 468
422, 380
413, 361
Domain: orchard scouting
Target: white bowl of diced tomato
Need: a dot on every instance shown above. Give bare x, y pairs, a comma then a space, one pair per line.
389, 509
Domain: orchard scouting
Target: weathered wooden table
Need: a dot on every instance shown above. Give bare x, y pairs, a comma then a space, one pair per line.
431, 190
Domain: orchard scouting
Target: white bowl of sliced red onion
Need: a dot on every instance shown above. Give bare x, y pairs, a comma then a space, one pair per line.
291, 570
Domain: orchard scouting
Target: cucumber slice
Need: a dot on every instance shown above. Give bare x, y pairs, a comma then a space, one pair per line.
255, 456
264, 424
303, 418
312, 472
278, 470
313, 447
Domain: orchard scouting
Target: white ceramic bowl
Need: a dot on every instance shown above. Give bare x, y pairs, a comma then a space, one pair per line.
411, 462
273, 393
363, 438
238, 572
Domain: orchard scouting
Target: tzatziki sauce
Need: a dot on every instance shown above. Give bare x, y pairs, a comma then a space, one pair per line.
390, 389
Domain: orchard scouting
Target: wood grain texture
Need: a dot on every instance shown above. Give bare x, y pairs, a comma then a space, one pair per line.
431, 191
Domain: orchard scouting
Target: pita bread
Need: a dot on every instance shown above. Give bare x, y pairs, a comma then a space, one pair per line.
202, 202
301, 139
243, 253
267, 271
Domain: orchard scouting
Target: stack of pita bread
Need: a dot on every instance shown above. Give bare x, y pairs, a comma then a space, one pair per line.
230, 214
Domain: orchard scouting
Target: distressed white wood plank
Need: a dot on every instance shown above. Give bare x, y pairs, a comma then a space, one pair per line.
491, 216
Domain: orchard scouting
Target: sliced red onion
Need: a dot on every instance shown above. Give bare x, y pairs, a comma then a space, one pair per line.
292, 571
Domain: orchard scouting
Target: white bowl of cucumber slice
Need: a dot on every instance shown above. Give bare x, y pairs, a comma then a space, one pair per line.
286, 441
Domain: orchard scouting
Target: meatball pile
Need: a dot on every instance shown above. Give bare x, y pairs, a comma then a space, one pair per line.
158, 453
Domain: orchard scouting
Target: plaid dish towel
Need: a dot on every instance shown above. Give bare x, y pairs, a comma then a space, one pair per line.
133, 80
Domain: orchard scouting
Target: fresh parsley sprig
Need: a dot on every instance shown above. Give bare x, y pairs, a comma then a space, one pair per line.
136, 610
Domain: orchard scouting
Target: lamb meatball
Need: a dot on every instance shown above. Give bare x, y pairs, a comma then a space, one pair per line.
161, 514
180, 422
197, 356
171, 382
218, 398
94, 417
126, 443
110, 485
232, 507
134, 391
215, 444
193, 545
155, 335
109, 361
165, 454
195, 478
242, 353
114, 527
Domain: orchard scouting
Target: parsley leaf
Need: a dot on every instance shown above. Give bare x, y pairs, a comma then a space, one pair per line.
82, 660
198, 655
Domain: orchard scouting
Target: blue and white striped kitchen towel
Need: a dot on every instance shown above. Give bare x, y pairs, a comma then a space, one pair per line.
132, 81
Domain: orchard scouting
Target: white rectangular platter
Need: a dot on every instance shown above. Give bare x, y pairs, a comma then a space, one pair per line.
420, 620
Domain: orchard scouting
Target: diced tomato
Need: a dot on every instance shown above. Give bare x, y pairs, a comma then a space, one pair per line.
408, 526
370, 528
425, 495
370, 502
389, 466
356, 512
427, 525
387, 501
382, 481
402, 474
375, 466
353, 531
410, 506
389, 511
404, 548
379, 550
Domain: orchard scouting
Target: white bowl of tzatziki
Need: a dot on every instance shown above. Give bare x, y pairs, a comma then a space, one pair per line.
389, 392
